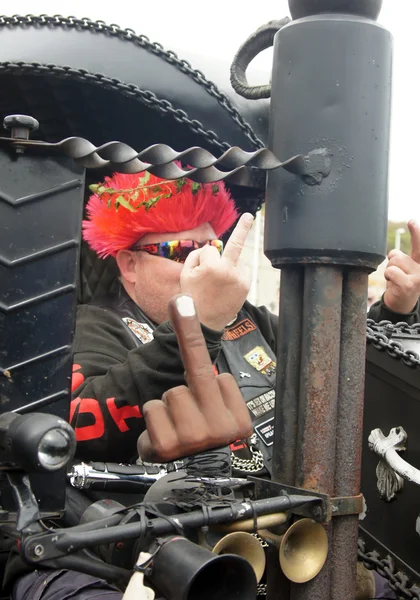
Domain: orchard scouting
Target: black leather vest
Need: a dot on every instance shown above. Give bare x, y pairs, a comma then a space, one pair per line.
245, 354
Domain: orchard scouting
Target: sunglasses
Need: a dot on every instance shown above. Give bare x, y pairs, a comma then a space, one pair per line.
177, 250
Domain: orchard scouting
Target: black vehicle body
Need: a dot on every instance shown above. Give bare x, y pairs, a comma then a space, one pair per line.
85, 79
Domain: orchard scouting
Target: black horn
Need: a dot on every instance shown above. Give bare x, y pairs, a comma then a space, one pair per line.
182, 570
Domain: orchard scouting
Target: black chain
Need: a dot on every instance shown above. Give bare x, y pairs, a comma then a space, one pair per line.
146, 96
398, 581
380, 335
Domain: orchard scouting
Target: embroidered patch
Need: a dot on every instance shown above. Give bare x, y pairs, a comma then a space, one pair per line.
259, 359
266, 431
242, 328
142, 331
261, 405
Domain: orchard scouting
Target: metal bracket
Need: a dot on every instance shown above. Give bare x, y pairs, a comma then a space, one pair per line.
342, 506
238, 166
324, 511
264, 488
28, 511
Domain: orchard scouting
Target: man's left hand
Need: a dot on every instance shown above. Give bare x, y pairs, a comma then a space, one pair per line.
403, 275
218, 284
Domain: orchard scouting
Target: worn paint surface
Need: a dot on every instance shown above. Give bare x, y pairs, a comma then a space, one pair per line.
319, 378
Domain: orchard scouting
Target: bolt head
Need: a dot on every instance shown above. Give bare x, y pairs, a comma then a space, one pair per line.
316, 512
39, 550
13, 121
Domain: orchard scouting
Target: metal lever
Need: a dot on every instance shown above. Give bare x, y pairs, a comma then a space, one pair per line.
115, 477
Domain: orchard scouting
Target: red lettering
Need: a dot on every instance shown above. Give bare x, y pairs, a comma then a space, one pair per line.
77, 378
120, 415
88, 406
239, 330
238, 445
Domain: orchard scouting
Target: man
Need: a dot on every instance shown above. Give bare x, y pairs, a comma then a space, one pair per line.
164, 236
126, 351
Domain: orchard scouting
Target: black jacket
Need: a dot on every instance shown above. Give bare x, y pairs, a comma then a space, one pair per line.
117, 369
114, 374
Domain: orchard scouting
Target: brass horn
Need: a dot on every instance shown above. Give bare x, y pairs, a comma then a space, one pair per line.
303, 550
245, 545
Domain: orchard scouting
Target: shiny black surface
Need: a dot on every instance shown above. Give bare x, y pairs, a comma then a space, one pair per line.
64, 105
392, 399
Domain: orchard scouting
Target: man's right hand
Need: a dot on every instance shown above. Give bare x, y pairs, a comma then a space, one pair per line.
403, 275
209, 413
218, 284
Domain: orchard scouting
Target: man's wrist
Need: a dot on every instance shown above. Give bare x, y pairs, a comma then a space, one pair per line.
399, 307
210, 335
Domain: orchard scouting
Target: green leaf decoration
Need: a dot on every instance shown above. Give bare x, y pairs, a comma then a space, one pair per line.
152, 202
121, 201
143, 180
180, 184
195, 187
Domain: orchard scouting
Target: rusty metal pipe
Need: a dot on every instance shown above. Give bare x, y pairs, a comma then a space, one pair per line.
287, 400
319, 378
349, 431
320, 360
288, 373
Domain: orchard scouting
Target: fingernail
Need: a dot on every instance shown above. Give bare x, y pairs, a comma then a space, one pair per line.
413, 223
185, 306
248, 218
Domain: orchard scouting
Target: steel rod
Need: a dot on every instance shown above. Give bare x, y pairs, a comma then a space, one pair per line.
288, 373
315, 462
349, 431
71, 540
287, 400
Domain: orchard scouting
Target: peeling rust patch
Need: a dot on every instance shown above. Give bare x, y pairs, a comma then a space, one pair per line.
319, 377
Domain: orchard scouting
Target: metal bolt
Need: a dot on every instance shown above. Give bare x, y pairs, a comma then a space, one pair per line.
38, 550
20, 127
317, 512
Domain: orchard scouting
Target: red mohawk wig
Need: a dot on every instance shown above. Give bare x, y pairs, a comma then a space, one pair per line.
126, 207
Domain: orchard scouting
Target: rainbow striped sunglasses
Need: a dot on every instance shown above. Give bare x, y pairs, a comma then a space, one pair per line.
176, 250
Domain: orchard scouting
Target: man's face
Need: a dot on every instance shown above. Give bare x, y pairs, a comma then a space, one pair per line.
156, 279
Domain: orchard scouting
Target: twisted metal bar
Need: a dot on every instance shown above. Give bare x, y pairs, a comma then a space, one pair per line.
243, 168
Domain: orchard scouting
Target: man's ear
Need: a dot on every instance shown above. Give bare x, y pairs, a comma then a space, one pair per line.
126, 262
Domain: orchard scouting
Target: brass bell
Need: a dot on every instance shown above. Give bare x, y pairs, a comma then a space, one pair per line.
303, 550
245, 545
